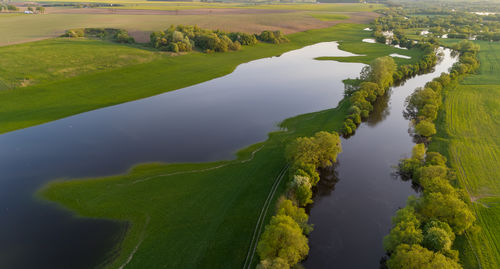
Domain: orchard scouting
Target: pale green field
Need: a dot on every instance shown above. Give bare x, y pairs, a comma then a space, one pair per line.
50, 60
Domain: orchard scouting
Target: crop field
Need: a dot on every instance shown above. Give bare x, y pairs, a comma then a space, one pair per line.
329, 16
31, 105
470, 134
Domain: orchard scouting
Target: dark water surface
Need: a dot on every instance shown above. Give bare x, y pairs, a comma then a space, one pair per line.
351, 220
205, 122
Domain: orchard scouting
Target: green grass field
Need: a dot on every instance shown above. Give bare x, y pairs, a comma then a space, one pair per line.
56, 59
191, 215
43, 102
469, 133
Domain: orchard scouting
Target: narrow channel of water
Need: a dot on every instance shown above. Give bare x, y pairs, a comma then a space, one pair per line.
352, 211
205, 122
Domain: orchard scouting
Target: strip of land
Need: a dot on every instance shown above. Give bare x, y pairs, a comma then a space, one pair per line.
469, 129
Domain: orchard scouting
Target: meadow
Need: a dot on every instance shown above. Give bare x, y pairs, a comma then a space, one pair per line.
31, 105
62, 58
468, 133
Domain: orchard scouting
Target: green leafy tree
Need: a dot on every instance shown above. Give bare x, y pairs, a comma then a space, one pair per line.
437, 184
425, 128
298, 214
437, 239
418, 257
447, 208
406, 230
418, 152
40, 9
283, 238
435, 158
382, 70
301, 188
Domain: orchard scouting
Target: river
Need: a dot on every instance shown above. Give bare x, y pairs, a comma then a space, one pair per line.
353, 208
205, 122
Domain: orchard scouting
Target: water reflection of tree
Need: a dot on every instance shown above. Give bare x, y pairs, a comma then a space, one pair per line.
380, 109
326, 185
328, 179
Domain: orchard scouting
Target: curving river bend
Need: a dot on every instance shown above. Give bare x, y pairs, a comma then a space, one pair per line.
230, 112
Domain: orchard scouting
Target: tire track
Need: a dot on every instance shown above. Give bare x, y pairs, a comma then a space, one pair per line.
260, 221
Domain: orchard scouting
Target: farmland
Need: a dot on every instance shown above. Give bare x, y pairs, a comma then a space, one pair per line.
468, 132
141, 18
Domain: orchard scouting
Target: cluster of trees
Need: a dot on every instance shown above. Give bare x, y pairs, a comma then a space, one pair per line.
284, 242
185, 37
116, 35
422, 106
8, 7
442, 21
306, 155
383, 73
423, 232
38, 9
375, 79
275, 37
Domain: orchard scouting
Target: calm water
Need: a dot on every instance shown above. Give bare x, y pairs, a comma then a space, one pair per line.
352, 211
205, 122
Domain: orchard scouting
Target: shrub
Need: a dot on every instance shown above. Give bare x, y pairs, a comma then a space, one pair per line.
122, 37
275, 37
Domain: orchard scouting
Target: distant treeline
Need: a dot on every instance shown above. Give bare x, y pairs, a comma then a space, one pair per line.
382, 73
439, 22
8, 7
284, 242
182, 38
185, 38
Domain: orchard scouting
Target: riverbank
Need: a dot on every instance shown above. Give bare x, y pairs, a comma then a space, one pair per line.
467, 134
32, 105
